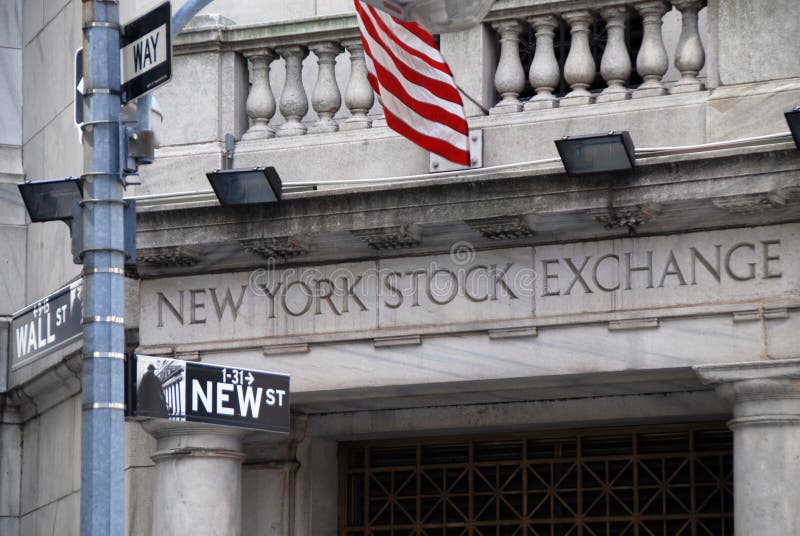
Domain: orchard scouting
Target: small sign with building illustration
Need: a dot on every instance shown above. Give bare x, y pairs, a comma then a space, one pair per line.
178, 390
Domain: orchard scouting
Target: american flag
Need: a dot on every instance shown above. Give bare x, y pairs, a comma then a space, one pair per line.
419, 96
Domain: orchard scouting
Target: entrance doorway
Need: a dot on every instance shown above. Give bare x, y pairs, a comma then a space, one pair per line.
642, 481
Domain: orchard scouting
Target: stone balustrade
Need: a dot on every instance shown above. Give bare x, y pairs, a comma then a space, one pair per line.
551, 54
601, 31
326, 95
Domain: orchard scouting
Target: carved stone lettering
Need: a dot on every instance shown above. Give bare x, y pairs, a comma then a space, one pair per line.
471, 288
696, 268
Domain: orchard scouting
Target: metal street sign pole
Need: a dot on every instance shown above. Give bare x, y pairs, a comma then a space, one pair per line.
103, 434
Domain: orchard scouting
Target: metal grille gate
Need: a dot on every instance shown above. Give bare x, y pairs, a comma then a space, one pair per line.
665, 481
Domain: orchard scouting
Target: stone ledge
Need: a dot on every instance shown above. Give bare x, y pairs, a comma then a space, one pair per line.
752, 370
637, 319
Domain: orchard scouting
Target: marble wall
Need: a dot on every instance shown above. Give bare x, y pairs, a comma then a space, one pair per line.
51, 478
51, 34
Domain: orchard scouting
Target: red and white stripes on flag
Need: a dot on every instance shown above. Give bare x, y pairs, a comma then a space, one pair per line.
419, 95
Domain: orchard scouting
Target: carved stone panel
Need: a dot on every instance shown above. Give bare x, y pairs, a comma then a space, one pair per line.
665, 271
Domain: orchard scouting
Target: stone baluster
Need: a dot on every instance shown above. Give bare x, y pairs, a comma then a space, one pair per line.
294, 102
579, 69
689, 55
652, 61
615, 67
326, 97
509, 79
544, 75
359, 97
260, 100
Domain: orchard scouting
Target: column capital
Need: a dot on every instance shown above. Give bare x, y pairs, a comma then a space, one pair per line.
652, 9
352, 43
689, 4
326, 47
614, 14
543, 22
751, 370
762, 392
508, 26
261, 52
580, 19
293, 51
184, 436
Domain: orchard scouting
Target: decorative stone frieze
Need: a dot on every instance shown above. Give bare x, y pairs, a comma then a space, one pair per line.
468, 286
502, 228
170, 256
284, 247
627, 217
387, 238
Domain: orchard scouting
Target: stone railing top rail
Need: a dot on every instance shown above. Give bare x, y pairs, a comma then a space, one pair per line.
213, 32
505, 9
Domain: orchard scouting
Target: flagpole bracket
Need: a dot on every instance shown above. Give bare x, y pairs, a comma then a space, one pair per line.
440, 164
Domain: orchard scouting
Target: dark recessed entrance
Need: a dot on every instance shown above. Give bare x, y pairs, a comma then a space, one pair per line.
664, 481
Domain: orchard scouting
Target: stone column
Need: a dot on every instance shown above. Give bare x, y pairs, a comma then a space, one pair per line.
198, 479
766, 442
260, 100
509, 80
579, 69
544, 74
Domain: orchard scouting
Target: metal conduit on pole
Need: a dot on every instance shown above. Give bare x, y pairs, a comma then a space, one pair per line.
103, 433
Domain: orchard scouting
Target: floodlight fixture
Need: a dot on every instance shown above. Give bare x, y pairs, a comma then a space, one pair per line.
52, 199
250, 186
437, 16
793, 119
597, 153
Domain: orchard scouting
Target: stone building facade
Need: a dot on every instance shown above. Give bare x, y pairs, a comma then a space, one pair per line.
500, 350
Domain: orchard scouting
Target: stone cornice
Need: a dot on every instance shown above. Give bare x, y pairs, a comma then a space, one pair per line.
208, 35
681, 191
